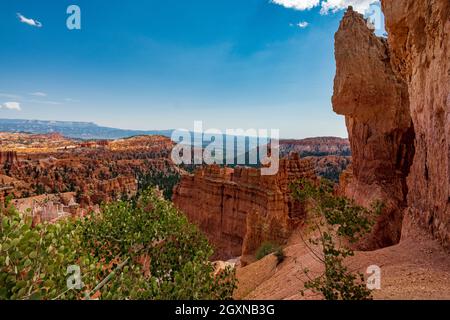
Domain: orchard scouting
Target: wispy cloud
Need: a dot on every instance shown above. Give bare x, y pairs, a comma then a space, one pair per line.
10, 96
326, 5
38, 94
38, 100
29, 21
11, 106
49, 102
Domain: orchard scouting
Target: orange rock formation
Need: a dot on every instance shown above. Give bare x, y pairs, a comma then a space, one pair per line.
97, 171
395, 96
240, 209
375, 102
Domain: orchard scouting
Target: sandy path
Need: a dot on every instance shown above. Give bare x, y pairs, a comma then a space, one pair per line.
417, 268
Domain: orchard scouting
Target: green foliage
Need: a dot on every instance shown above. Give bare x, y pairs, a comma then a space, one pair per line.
267, 248
335, 218
164, 181
145, 250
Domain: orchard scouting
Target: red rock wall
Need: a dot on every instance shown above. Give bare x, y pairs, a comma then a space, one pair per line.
375, 103
419, 40
240, 209
395, 95
8, 157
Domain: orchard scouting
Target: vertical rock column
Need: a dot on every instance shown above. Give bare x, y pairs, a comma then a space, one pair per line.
375, 103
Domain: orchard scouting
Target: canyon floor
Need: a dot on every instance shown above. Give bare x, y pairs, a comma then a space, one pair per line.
416, 268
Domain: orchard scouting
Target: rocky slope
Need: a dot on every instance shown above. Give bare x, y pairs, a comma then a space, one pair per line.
239, 209
416, 268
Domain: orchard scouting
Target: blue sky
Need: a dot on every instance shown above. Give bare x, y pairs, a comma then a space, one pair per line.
159, 64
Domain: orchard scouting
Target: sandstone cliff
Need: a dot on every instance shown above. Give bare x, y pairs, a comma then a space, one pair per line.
239, 209
419, 42
375, 103
8, 157
395, 97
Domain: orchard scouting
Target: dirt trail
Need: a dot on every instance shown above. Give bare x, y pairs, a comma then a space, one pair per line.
417, 268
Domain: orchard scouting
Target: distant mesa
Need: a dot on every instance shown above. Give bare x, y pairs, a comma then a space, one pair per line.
75, 130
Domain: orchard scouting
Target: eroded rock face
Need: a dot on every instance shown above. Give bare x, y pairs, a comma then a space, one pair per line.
8, 158
319, 147
375, 103
97, 171
395, 95
238, 209
419, 39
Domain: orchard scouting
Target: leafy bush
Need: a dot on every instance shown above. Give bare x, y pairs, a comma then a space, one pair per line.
265, 249
334, 218
141, 250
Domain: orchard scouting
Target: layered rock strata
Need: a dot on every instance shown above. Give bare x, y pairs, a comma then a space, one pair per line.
239, 209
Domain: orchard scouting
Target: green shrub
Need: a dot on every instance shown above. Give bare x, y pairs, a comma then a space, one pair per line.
334, 218
267, 248
109, 249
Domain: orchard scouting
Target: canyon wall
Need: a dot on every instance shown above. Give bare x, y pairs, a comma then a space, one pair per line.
238, 209
395, 97
7, 158
375, 103
419, 41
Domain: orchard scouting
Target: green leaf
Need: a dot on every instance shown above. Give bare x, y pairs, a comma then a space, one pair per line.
27, 263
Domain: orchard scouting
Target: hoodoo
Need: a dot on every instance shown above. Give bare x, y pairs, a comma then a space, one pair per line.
395, 96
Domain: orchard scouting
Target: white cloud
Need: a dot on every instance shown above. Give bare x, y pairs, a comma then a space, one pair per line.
28, 21
11, 106
326, 5
38, 94
297, 4
335, 5
302, 24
